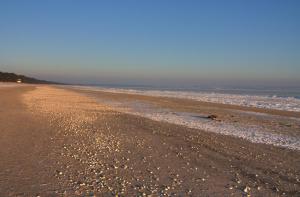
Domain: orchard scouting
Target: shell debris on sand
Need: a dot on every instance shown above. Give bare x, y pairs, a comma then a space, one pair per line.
105, 158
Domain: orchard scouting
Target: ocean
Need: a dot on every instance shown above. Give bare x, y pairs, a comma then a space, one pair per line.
287, 99
255, 91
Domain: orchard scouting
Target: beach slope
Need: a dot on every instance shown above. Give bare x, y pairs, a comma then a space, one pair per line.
56, 141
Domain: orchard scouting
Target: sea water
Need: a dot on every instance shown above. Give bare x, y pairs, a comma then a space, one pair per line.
278, 99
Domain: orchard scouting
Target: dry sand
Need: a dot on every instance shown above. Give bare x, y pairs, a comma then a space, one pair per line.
61, 142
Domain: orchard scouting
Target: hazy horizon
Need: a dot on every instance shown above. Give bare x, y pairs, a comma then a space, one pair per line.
179, 43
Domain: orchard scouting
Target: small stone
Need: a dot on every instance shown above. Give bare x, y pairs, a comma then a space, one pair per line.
247, 189
258, 188
58, 172
275, 189
212, 117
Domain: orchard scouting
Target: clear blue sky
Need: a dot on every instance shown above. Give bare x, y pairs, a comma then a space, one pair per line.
153, 42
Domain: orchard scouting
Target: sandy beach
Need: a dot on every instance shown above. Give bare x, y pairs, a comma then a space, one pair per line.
59, 141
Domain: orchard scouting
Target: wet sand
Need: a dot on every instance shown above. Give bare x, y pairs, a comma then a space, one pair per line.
256, 125
64, 142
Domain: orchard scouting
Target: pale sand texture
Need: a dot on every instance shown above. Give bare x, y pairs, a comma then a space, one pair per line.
58, 142
69, 111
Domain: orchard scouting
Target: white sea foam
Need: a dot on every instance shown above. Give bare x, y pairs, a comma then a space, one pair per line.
252, 133
278, 103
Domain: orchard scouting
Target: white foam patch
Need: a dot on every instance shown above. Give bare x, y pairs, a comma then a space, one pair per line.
255, 134
278, 103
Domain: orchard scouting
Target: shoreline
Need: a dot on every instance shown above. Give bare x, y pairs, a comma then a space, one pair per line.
90, 147
257, 127
245, 101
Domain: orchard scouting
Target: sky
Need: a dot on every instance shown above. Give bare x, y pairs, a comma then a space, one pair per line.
155, 42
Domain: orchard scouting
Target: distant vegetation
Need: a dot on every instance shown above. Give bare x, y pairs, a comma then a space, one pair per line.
12, 77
